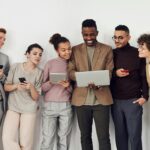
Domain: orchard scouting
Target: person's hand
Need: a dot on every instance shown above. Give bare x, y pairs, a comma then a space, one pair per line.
93, 86
122, 72
64, 83
140, 101
20, 86
1, 73
28, 85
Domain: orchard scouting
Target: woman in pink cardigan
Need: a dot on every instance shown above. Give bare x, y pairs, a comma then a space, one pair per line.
57, 110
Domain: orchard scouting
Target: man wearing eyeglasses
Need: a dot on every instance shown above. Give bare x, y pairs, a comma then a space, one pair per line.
130, 91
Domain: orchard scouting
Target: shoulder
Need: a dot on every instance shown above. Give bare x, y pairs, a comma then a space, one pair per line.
4, 56
50, 62
79, 46
103, 45
15, 65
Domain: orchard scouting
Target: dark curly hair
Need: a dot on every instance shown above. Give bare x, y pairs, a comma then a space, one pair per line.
56, 39
144, 38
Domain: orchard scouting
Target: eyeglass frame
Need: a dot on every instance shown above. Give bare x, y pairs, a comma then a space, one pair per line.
119, 37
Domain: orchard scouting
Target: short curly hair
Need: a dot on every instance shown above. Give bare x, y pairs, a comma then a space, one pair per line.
144, 38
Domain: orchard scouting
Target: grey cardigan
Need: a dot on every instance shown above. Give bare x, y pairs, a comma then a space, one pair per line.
5, 62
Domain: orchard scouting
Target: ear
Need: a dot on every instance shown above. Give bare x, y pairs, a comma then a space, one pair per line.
97, 33
27, 55
129, 37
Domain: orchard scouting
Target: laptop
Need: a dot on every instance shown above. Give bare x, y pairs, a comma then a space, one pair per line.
99, 78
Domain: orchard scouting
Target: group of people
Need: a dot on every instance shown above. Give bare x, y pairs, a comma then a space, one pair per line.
23, 83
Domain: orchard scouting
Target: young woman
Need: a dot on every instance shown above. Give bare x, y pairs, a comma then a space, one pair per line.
57, 111
24, 86
144, 52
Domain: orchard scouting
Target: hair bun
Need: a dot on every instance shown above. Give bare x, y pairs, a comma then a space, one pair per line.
55, 37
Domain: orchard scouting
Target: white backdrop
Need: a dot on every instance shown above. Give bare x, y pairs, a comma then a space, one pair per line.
30, 21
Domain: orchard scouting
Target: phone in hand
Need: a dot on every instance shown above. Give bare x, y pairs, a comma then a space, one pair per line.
1, 66
22, 79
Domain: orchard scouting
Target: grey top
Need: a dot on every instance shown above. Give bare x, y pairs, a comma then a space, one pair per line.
21, 100
91, 98
4, 60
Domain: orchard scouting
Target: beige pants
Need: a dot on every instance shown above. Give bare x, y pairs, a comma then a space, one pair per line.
23, 124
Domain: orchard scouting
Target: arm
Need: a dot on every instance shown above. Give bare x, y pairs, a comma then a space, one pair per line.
109, 62
144, 84
72, 67
4, 72
46, 85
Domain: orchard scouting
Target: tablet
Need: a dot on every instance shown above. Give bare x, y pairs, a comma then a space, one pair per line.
99, 78
57, 77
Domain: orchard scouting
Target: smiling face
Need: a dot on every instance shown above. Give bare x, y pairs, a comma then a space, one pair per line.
89, 35
64, 50
34, 56
2, 38
121, 38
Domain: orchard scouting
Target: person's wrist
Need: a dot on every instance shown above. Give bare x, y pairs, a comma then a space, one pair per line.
15, 86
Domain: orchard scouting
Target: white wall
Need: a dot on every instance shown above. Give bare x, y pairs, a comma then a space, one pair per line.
30, 21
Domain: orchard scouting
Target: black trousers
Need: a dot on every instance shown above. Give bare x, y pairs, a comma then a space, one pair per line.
85, 115
127, 119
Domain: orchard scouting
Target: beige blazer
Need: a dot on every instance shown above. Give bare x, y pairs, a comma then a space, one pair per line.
148, 74
102, 60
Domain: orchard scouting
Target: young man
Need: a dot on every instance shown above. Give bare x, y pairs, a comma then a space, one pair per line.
4, 68
91, 102
129, 90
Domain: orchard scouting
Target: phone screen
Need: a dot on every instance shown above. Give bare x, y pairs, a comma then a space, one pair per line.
22, 79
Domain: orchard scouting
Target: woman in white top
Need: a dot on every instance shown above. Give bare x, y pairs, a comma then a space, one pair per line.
144, 52
24, 86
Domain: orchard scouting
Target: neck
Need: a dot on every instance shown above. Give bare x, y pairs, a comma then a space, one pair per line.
29, 66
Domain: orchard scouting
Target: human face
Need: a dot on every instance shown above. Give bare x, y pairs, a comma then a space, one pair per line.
64, 50
144, 52
2, 39
121, 38
89, 35
34, 56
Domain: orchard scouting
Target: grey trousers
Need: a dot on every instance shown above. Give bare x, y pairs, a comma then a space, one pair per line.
127, 119
56, 120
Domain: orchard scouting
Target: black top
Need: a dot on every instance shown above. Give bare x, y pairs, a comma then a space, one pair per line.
134, 85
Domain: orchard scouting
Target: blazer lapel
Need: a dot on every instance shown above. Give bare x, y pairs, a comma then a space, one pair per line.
96, 55
84, 57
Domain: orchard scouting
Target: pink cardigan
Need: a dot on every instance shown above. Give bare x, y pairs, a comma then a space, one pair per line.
55, 92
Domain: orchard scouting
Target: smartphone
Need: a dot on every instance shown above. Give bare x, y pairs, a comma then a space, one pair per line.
22, 79
125, 71
1, 66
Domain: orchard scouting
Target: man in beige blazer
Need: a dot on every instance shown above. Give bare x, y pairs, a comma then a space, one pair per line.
92, 101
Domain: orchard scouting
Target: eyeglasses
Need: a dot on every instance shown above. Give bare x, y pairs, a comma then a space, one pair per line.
119, 38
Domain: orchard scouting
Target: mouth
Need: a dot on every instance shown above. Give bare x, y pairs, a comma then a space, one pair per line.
89, 42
